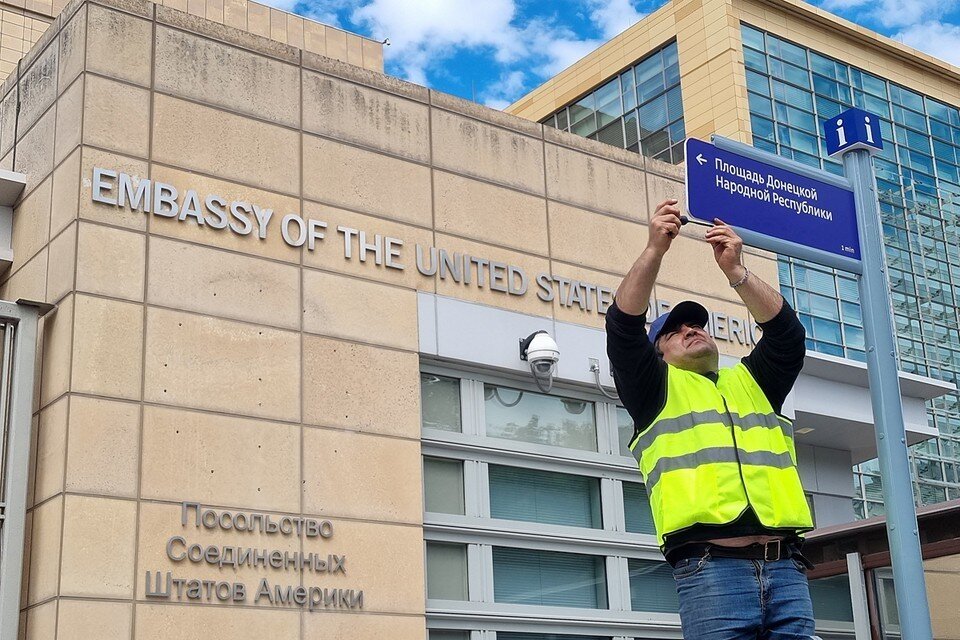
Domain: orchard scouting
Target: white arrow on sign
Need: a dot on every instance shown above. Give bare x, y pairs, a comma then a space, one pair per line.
701, 159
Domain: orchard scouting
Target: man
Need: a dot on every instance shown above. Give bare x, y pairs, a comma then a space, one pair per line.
717, 458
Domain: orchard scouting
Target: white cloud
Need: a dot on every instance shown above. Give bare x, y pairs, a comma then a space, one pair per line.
893, 13
936, 38
424, 34
554, 47
839, 6
613, 16
324, 11
427, 31
502, 93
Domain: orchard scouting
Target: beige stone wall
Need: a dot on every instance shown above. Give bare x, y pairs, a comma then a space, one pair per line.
713, 80
189, 364
287, 28
20, 28
943, 582
22, 22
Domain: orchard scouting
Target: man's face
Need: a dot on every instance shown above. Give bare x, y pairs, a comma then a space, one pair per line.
689, 347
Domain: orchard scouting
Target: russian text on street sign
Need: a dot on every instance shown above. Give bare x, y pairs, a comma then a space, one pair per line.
853, 129
781, 210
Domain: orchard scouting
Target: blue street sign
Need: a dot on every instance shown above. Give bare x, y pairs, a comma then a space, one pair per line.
853, 129
798, 211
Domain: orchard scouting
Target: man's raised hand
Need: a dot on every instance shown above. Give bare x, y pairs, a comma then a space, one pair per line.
664, 226
727, 247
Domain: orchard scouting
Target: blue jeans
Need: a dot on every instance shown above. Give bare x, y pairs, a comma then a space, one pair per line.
737, 599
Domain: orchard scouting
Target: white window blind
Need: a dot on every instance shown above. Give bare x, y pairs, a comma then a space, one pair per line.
543, 496
548, 578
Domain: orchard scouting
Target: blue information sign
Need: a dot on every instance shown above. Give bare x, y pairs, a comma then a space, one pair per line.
853, 129
793, 208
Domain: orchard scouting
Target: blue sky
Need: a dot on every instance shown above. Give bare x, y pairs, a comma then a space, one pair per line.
494, 51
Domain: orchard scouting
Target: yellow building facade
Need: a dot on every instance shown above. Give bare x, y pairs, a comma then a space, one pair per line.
712, 73
22, 23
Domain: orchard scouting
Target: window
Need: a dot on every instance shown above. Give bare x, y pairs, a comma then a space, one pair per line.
543, 496
887, 597
497, 472
440, 402
548, 578
636, 509
443, 486
505, 635
609, 113
624, 431
539, 418
813, 512
917, 176
446, 571
831, 599
652, 587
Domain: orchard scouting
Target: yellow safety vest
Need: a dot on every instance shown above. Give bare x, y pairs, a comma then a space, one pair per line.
716, 449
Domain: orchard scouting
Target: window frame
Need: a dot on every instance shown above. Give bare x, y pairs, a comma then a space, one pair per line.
480, 533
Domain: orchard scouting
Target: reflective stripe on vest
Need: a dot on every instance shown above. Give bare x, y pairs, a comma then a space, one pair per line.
718, 454
717, 448
690, 420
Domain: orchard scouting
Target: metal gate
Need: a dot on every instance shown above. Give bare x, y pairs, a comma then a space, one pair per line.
18, 343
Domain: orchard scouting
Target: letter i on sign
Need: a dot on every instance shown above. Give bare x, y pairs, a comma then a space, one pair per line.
866, 121
841, 134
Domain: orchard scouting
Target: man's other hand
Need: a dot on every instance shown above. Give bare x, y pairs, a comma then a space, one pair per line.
664, 226
727, 249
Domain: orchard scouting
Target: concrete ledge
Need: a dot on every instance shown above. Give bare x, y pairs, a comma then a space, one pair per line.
49, 36
141, 8
855, 373
673, 171
366, 77
8, 85
69, 9
11, 187
486, 114
593, 147
225, 34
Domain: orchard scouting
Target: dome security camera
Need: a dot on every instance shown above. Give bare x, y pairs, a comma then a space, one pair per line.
543, 354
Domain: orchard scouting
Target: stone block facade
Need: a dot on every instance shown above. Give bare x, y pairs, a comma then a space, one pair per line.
267, 363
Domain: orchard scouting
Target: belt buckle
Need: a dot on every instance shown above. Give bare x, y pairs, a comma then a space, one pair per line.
766, 550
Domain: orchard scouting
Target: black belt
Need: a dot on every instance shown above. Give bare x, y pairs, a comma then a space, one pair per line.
768, 552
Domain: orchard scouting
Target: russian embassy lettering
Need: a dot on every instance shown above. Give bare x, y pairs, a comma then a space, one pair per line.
165, 585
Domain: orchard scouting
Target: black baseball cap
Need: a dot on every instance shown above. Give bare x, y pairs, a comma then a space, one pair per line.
686, 312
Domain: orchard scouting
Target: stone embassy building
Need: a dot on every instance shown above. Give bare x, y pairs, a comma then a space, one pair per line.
280, 394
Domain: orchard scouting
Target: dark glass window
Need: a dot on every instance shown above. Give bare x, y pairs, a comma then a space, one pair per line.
918, 181
549, 578
543, 496
640, 110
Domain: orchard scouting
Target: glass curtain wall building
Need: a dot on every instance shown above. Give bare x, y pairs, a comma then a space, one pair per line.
791, 90
640, 110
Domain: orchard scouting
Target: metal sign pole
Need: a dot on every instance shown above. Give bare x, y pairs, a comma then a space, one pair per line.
878, 328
